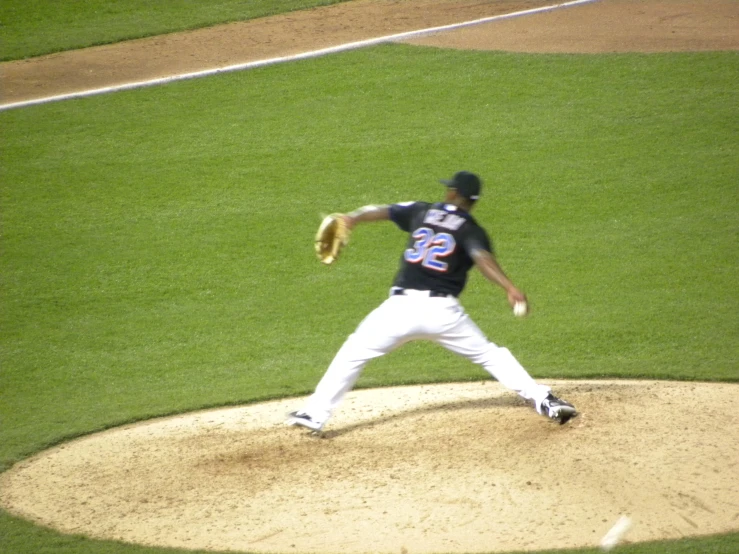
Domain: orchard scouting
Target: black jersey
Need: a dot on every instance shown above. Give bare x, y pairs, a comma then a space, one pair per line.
441, 239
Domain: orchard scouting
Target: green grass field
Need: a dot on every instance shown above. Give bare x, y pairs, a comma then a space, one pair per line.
157, 254
35, 27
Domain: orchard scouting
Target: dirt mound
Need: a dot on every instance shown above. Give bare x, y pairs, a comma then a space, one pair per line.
440, 468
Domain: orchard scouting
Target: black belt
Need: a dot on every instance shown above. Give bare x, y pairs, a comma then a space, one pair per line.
432, 293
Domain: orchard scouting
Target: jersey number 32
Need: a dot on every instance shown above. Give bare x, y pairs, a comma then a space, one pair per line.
430, 249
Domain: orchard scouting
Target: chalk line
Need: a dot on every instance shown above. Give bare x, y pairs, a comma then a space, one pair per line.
282, 59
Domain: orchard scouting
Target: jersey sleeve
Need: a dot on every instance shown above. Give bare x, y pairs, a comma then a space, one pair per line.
476, 239
402, 213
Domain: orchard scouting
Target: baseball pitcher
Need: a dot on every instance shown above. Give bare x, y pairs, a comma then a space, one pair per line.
444, 243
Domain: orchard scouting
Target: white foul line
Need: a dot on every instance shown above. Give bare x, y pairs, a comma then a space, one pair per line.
281, 59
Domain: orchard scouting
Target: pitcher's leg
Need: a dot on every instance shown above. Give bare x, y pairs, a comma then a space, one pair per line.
382, 331
505, 368
466, 338
340, 377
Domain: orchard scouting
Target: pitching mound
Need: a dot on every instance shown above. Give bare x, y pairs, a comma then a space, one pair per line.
441, 468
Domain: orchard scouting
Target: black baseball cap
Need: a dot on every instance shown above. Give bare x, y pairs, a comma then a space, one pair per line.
467, 184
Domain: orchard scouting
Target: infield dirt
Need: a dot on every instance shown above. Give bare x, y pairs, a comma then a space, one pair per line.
602, 26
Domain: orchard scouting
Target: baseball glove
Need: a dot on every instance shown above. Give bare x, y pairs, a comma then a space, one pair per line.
332, 236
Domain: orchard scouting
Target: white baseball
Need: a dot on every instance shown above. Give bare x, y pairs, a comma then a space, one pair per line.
520, 309
616, 533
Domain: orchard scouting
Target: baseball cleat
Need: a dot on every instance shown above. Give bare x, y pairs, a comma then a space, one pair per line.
301, 419
557, 409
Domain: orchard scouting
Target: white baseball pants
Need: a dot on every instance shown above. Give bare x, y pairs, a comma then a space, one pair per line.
416, 316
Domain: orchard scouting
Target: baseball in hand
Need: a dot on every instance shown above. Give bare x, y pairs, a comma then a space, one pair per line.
520, 309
